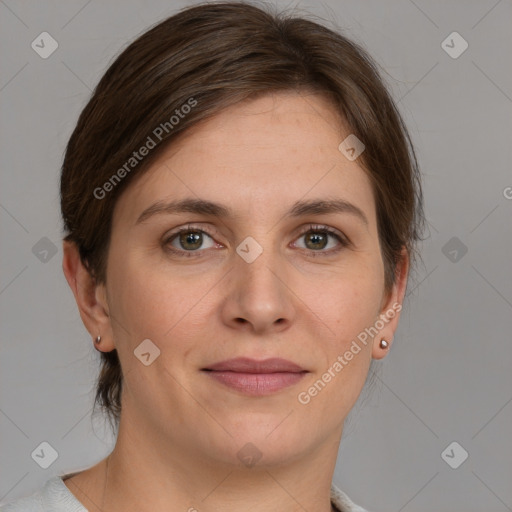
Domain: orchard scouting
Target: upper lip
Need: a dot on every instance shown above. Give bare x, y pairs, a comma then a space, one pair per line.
247, 365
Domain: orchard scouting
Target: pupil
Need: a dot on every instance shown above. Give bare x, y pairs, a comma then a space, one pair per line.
317, 238
191, 237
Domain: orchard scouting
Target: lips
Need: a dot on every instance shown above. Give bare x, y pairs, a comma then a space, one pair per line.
246, 365
252, 377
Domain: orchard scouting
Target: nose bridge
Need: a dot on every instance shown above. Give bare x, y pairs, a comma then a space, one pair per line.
260, 296
256, 266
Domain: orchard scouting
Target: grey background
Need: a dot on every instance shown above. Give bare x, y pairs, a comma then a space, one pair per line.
448, 375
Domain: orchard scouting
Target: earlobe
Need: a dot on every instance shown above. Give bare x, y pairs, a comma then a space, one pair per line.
391, 308
89, 295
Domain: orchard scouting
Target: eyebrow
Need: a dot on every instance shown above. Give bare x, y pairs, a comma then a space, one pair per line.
204, 207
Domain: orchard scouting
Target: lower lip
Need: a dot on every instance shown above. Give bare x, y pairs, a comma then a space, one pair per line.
257, 383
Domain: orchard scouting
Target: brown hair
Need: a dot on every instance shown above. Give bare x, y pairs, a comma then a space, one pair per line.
209, 57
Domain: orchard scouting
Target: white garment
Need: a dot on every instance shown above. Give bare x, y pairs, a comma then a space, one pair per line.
54, 496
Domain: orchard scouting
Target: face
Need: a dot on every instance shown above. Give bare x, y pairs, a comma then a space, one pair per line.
260, 274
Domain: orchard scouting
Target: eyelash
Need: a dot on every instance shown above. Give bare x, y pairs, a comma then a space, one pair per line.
315, 228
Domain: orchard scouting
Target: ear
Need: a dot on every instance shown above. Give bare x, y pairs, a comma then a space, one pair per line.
391, 307
91, 298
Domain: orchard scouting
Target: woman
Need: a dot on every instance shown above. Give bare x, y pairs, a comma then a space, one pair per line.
241, 203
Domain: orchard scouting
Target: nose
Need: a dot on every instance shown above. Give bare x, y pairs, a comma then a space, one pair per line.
259, 298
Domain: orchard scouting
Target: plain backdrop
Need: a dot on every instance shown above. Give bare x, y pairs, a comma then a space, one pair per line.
447, 378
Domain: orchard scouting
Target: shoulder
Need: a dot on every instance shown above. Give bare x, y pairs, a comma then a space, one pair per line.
342, 502
54, 496
30, 503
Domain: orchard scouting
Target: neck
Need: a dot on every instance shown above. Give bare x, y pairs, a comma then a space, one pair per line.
144, 476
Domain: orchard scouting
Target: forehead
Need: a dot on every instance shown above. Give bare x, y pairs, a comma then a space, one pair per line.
257, 156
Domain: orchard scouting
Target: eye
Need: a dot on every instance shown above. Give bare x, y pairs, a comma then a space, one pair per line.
317, 239
188, 239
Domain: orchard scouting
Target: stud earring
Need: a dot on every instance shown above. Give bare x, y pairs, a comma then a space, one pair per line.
98, 340
383, 344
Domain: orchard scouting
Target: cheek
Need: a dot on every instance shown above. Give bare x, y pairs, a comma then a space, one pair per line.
153, 301
348, 308
350, 301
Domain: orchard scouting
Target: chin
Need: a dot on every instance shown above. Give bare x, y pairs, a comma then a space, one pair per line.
263, 444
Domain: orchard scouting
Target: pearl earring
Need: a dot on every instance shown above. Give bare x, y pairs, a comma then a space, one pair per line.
383, 344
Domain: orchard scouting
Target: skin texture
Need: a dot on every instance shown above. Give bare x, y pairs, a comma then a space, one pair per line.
180, 430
